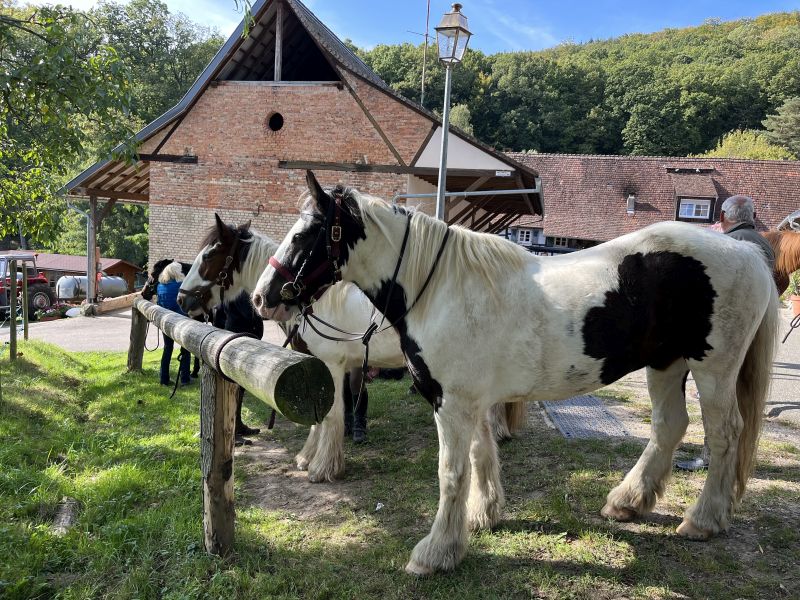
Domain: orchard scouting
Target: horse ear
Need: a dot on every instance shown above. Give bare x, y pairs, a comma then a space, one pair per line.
320, 197
220, 225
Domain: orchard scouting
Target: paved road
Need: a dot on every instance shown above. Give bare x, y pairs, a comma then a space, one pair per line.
784, 400
111, 333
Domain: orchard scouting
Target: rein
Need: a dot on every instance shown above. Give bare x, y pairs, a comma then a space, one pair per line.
307, 313
295, 286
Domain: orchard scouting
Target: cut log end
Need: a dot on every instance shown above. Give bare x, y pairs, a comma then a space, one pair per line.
304, 392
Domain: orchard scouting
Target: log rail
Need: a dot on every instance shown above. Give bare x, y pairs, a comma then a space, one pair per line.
297, 386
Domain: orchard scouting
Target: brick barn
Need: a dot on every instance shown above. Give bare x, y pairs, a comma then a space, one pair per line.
291, 96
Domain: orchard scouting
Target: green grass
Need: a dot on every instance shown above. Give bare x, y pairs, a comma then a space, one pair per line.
78, 426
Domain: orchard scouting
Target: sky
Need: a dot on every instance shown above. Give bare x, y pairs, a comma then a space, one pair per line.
497, 25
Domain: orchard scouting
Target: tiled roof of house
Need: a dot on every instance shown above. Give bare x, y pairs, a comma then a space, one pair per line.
585, 195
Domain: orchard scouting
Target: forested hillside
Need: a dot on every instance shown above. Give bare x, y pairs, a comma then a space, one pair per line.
76, 83
675, 92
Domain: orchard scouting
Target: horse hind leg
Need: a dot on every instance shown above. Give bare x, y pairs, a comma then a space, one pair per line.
712, 511
498, 422
486, 498
506, 419
645, 482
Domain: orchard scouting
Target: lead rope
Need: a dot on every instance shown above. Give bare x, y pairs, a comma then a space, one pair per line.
146, 333
794, 324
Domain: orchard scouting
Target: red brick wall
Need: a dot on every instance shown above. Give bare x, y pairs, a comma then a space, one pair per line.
405, 128
237, 170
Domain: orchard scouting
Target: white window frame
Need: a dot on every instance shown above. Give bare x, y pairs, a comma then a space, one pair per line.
697, 209
525, 236
561, 242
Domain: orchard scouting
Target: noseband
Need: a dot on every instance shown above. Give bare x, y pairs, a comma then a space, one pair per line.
294, 290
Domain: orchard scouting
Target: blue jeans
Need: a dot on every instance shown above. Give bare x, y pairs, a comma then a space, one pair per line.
184, 358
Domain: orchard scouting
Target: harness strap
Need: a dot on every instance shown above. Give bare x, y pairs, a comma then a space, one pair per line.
397, 265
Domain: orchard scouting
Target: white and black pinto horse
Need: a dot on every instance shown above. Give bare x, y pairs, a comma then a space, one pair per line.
671, 297
249, 251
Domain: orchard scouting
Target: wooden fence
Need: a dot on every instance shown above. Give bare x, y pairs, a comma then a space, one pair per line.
297, 386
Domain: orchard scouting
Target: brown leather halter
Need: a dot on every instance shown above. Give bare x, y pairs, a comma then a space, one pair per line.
294, 290
223, 279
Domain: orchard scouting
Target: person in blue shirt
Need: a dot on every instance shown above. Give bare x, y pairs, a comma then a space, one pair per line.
169, 282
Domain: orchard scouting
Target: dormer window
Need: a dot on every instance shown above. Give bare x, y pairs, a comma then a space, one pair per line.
692, 208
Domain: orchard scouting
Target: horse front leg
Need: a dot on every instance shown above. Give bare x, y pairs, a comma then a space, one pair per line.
327, 463
443, 548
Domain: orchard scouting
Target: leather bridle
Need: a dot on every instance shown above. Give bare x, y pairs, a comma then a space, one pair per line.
223, 279
295, 289
296, 286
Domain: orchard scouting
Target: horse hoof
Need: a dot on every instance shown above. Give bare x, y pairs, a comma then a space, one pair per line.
688, 530
414, 568
302, 463
620, 514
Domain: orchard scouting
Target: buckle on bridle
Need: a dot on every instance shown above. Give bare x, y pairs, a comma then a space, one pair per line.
290, 290
336, 233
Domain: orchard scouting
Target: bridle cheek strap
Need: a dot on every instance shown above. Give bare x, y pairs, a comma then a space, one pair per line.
299, 282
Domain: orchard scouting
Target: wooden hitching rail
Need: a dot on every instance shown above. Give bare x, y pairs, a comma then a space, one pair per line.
296, 385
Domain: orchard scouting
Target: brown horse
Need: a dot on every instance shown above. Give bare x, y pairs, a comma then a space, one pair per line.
786, 246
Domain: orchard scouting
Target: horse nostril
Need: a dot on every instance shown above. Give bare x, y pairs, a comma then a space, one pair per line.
181, 299
258, 300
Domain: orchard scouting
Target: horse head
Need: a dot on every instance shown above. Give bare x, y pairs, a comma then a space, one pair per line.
313, 254
213, 275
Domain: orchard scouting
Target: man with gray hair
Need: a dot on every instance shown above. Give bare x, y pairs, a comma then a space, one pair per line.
737, 218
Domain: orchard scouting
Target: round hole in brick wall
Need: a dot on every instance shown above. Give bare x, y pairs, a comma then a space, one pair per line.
275, 121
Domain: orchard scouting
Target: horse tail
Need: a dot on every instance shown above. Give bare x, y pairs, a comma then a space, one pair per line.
516, 416
752, 387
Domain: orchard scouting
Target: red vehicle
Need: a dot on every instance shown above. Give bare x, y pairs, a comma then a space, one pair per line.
40, 296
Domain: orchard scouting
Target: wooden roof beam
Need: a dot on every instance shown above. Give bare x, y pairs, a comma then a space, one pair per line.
111, 194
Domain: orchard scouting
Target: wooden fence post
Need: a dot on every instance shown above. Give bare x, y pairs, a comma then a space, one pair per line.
25, 309
138, 338
217, 424
12, 301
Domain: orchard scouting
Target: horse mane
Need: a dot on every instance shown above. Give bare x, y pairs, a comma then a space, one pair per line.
482, 254
786, 246
211, 236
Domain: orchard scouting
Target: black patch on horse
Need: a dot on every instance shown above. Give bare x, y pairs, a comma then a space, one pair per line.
660, 312
426, 385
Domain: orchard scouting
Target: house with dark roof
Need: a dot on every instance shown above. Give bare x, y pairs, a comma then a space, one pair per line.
592, 199
287, 97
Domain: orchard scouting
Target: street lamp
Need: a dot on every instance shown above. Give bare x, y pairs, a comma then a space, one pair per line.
452, 37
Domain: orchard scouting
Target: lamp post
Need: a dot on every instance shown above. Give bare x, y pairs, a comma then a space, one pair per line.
452, 37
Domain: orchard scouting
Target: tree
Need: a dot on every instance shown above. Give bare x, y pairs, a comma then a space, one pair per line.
784, 128
61, 91
460, 117
164, 52
749, 144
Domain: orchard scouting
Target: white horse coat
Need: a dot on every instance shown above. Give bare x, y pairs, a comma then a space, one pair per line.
499, 324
